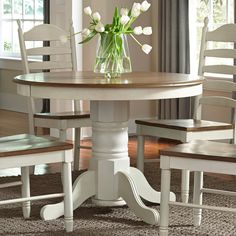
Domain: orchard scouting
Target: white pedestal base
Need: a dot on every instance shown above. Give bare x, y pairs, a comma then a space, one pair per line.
110, 179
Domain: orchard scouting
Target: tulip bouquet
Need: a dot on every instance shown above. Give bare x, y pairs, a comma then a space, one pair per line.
112, 52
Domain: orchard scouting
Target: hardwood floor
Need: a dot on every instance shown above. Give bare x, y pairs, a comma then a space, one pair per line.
15, 123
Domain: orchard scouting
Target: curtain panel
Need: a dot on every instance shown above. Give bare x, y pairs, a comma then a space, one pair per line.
174, 54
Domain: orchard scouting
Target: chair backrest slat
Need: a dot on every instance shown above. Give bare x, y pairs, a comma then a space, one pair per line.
218, 101
45, 32
216, 63
59, 49
219, 85
221, 53
220, 69
62, 55
225, 33
43, 51
213, 45
48, 65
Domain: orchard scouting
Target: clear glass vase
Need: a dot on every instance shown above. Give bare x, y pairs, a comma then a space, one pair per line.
113, 56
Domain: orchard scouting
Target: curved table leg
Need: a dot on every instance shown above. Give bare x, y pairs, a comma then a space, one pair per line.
83, 188
144, 189
128, 191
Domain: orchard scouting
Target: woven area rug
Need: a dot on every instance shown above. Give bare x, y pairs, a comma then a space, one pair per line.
90, 220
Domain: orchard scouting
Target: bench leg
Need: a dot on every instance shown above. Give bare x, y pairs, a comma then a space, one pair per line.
68, 203
25, 191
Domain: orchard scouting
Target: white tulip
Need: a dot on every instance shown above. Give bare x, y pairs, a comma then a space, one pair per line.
145, 6
136, 6
135, 13
96, 16
146, 48
63, 39
124, 11
136, 10
138, 30
100, 27
88, 11
124, 19
86, 32
147, 30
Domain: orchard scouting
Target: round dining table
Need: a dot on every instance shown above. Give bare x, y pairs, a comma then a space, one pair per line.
110, 180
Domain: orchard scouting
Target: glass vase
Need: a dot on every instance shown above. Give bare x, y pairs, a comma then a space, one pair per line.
112, 58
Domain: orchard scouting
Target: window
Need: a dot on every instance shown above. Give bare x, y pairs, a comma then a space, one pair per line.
219, 12
30, 12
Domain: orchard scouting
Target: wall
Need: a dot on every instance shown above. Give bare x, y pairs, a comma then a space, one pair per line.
61, 13
8, 95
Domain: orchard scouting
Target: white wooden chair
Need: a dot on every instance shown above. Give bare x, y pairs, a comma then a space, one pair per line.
62, 57
25, 150
198, 156
197, 128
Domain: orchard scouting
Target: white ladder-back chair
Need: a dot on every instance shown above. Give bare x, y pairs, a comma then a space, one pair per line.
26, 150
186, 130
62, 57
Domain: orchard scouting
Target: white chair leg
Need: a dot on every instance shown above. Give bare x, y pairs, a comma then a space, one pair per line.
62, 134
140, 152
164, 205
68, 202
197, 197
185, 176
77, 148
31, 170
25, 191
234, 220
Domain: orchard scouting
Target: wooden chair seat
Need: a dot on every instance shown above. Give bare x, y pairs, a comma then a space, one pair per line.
25, 150
201, 149
198, 156
24, 144
63, 115
188, 125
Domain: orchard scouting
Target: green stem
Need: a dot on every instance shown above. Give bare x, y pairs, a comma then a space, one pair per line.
132, 20
136, 40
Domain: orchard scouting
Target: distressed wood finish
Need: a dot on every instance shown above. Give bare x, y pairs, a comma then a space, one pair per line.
187, 125
90, 80
63, 115
24, 144
206, 150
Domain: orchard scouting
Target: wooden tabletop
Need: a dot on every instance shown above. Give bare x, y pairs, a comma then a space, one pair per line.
92, 80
